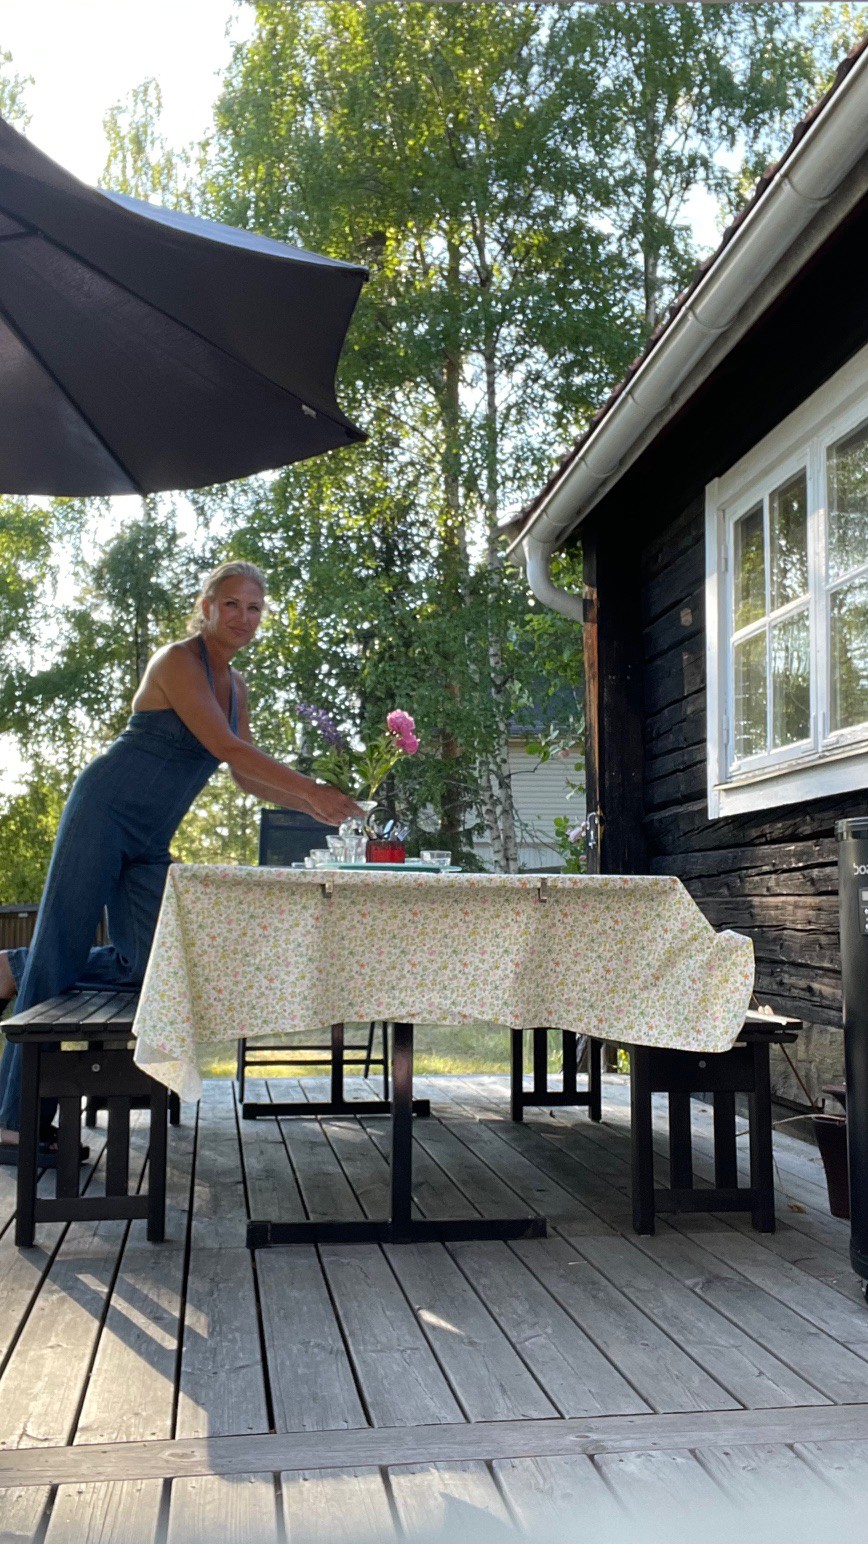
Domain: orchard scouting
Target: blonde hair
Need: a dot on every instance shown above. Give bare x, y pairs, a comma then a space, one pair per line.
212, 583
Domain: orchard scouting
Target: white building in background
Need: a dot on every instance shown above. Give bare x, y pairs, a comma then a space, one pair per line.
541, 791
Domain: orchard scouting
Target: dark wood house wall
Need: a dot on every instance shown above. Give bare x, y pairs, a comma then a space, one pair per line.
770, 874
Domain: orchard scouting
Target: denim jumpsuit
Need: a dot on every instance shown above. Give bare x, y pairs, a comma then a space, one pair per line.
112, 851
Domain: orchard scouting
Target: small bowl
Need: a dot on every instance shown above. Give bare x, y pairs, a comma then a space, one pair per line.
436, 855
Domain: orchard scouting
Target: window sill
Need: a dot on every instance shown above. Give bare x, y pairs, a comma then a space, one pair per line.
841, 771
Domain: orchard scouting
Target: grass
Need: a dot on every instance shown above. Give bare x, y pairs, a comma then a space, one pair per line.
439, 1048
459, 1048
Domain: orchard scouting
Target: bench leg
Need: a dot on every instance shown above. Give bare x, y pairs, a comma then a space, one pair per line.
68, 1145
540, 1064
25, 1216
595, 1079
90, 1112
337, 1068
174, 1110
117, 1162
641, 1144
386, 1060
762, 1172
240, 1068
680, 1142
157, 1155
569, 1043
516, 1082
725, 1154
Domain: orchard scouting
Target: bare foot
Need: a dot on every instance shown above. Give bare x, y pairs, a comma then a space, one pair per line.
8, 1138
7, 980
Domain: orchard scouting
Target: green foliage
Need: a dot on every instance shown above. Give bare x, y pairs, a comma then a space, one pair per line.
139, 162
13, 89
25, 567
674, 92
571, 842
28, 824
515, 179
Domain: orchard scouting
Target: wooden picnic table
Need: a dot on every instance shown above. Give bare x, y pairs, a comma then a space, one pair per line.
260, 951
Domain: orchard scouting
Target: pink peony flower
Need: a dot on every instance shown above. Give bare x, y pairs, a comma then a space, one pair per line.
402, 726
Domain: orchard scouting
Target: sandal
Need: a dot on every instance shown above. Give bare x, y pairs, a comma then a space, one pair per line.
46, 1155
46, 1152
48, 1142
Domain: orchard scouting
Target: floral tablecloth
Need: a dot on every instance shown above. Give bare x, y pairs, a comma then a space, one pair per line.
262, 951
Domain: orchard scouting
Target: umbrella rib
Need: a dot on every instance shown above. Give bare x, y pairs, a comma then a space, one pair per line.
40, 358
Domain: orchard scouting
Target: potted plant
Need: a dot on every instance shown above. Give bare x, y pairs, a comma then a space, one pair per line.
830, 1131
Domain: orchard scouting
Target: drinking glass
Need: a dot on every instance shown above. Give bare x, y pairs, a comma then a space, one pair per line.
321, 856
436, 855
337, 847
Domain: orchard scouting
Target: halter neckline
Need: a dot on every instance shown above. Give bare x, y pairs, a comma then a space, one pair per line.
210, 674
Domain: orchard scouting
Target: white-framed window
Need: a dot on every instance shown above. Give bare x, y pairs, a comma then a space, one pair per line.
786, 533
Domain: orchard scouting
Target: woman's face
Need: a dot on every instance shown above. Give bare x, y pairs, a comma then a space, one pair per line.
235, 612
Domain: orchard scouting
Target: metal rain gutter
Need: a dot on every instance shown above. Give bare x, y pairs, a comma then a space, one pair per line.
812, 173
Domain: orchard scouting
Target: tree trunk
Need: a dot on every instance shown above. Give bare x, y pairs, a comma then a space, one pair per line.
500, 808
455, 558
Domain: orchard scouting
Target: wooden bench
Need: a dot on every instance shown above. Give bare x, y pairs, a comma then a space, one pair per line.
103, 1069
742, 1070
522, 1099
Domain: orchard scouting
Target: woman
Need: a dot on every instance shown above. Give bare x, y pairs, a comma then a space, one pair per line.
112, 846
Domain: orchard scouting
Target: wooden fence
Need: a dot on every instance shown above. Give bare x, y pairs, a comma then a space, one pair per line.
17, 924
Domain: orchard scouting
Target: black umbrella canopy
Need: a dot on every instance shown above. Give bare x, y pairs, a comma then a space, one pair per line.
142, 349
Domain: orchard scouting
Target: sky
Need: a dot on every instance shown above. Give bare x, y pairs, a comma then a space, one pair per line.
85, 55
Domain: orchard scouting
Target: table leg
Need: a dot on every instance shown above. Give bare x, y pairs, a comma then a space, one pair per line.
338, 1066
762, 1172
516, 1085
401, 1227
337, 1103
402, 1129
595, 1079
641, 1139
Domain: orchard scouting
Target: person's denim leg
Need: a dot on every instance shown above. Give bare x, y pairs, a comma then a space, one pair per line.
85, 865
133, 909
10, 1083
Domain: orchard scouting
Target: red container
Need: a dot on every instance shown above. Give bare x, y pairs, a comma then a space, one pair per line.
381, 849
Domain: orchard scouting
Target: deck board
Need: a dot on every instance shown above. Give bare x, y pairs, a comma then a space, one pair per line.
500, 1384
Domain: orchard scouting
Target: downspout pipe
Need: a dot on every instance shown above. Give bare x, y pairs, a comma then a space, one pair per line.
537, 561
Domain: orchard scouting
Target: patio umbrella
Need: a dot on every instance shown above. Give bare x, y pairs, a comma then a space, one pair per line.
142, 349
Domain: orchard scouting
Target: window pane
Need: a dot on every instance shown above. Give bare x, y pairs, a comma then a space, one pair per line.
791, 680
847, 486
750, 575
848, 625
749, 696
788, 540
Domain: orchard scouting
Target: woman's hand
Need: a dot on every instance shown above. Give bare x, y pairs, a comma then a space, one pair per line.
329, 805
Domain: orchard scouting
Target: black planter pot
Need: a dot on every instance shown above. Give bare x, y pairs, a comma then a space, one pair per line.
831, 1134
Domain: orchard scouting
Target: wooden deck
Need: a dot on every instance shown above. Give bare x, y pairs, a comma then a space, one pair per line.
187, 1391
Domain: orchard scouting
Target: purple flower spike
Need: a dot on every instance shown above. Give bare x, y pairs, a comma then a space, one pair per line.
320, 720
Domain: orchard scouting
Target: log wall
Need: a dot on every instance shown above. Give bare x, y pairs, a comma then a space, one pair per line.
771, 875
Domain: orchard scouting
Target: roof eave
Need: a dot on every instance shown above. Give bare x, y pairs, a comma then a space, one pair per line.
752, 265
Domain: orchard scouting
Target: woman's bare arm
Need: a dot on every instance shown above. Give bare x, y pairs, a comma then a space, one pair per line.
183, 681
